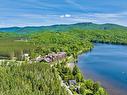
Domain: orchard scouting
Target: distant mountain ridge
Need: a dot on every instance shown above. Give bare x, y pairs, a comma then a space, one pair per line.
64, 27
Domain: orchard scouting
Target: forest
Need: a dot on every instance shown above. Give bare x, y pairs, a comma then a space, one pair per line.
34, 79
41, 78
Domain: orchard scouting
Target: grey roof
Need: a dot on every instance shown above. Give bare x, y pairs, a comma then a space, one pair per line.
72, 82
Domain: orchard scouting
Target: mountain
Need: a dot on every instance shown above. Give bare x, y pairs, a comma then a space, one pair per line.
64, 27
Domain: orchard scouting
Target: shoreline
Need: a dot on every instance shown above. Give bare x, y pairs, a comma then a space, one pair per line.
111, 88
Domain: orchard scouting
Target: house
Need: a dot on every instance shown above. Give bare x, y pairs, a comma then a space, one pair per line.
47, 59
25, 57
38, 59
61, 54
72, 82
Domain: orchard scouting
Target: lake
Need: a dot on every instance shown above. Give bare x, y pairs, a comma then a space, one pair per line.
106, 64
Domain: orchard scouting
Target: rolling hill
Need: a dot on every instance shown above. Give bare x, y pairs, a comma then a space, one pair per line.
64, 27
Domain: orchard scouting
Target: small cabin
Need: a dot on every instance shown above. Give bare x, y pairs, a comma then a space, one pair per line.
72, 82
25, 57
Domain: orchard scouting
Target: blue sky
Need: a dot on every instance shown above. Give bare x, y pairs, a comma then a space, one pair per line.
48, 12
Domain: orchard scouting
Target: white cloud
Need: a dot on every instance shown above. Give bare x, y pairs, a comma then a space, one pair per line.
65, 16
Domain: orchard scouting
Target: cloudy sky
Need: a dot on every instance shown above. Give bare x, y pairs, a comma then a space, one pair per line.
48, 12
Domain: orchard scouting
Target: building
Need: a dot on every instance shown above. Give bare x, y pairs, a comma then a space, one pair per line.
51, 57
72, 82
25, 57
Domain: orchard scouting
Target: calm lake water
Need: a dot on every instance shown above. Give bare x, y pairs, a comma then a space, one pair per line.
108, 65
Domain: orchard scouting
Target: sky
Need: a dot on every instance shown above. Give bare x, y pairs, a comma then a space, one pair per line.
48, 12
